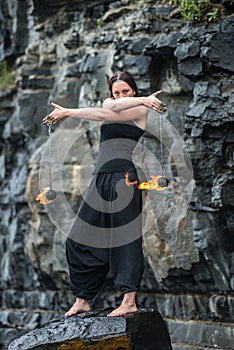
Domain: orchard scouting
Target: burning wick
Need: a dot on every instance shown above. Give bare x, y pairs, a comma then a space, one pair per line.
46, 196
158, 183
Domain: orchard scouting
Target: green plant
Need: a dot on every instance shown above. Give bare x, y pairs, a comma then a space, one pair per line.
6, 76
100, 23
197, 10
212, 15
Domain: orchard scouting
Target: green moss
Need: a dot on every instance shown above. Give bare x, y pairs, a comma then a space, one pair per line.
6, 76
110, 343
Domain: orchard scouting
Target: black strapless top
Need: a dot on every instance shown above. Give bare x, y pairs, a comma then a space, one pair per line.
117, 143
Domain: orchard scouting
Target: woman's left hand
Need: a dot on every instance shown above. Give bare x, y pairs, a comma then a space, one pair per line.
58, 113
154, 103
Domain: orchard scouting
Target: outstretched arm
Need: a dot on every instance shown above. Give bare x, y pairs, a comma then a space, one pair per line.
123, 103
137, 114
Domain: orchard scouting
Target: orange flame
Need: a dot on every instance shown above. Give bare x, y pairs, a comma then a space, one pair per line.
128, 183
151, 184
41, 197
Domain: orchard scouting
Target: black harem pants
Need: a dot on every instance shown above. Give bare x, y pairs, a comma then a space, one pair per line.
107, 236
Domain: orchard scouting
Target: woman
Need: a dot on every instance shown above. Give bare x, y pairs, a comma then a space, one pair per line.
118, 228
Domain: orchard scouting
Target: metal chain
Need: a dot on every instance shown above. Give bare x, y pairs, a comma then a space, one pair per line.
50, 170
161, 141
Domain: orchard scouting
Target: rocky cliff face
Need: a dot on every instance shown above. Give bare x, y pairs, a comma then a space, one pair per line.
63, 51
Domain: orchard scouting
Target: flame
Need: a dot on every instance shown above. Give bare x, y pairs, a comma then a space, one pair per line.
41, 197
151, 184
128, 183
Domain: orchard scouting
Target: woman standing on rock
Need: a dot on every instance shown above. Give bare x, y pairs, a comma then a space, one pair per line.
106, 234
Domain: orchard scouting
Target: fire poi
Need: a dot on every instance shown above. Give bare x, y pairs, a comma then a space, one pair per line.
159, 182
47, 195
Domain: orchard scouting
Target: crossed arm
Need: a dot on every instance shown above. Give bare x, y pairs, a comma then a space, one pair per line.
121, 109
123, 103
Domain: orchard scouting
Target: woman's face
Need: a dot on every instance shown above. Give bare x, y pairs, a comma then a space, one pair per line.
122, 89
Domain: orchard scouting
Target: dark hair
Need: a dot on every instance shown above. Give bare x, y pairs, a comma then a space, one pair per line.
125, 76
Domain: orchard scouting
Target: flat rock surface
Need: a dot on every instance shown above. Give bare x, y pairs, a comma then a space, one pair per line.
145, 328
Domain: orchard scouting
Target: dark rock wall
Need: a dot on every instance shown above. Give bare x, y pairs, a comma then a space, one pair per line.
63, 51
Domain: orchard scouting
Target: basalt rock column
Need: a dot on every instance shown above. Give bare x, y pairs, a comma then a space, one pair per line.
93, 330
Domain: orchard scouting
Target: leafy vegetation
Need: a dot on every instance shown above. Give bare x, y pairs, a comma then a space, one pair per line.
6, 76
212, 15
198, 10
100, 23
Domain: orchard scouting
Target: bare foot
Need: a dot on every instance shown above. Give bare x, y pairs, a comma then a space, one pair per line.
127, 306
80, 305
123, 310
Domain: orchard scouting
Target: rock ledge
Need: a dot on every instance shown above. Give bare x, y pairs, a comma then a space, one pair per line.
94, 330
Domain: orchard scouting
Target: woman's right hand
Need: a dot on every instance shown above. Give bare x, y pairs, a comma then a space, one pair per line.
58, 113
154, 103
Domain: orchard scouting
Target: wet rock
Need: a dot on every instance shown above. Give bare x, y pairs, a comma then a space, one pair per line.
163, 43
143, 330
190, 67
207, 334
219, 51
188, 49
